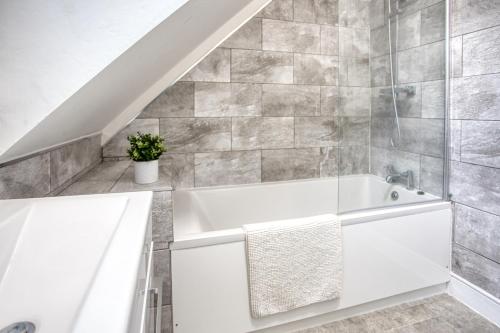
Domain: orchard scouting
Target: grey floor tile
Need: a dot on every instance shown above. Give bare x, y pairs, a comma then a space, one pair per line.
438, 314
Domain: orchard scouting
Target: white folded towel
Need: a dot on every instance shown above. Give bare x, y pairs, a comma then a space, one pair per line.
293, 263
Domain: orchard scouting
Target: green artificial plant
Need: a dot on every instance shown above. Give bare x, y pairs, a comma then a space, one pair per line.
145, 147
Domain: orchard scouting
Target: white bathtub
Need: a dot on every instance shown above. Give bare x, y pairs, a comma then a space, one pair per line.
387, 251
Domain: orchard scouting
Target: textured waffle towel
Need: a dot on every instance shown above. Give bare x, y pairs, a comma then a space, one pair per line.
293, 263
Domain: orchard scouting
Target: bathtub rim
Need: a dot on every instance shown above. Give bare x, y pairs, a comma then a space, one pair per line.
232, 235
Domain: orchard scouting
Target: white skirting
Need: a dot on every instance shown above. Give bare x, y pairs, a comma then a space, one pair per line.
475, 298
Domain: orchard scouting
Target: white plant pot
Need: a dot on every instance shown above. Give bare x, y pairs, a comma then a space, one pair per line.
146, 172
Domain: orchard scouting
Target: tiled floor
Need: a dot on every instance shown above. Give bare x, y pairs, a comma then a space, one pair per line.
438, 314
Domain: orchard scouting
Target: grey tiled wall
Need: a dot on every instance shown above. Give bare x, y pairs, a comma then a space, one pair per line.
475, 141
49, 172
285, 97
419, 63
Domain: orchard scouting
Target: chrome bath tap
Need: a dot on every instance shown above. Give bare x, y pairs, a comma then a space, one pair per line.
405, 178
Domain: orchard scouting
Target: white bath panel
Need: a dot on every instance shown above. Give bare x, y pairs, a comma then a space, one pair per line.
385, 254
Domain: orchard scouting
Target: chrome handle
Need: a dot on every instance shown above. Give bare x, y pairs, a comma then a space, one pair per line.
156, 294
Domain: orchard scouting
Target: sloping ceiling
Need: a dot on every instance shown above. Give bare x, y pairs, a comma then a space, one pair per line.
69, 70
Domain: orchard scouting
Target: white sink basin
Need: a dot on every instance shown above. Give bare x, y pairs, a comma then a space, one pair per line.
52, 251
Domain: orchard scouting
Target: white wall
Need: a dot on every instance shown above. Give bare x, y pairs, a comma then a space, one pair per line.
70, 70
50, 49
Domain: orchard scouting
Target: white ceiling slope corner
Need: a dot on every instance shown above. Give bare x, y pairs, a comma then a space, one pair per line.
71, 69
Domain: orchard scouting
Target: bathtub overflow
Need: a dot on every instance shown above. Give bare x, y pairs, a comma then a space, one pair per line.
394, 195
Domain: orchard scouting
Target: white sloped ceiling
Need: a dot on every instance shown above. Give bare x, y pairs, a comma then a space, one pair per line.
71, 69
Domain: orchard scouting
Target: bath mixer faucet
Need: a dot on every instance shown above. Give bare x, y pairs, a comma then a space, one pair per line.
405, 178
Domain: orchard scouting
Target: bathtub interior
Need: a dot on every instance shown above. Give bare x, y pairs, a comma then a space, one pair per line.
362, 192
220, 208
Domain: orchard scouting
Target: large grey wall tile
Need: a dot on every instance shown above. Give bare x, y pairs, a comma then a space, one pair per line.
215, 67
290, 100
98, 180
354, 42
316, 131
316, 11
329, 162
469, 16
329, 40
224, 168
420, 136
401, 161
177, 169
434, 61
478, 231
26, 178
424, 136
354, 131
161, 211
431, 175
455, 138
315, 69
456, 56
227, 99
379, 41
433, 23
196, 134
262, 133
410, 65
481, 52
175, 101
409, 103
476, 97
330, 101
433, 99
382, 130
480, 142
406, 7
377, 13
354, 101
380, 71
381, 102
70, 160
354, 13
287, 164
118, 145
474, 186
290, 36
409, 30
353, 160
482, 272
358, 72
425, 63
278, 10
261, 66
249, 36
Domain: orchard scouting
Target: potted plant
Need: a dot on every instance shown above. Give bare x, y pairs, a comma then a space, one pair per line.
145, 150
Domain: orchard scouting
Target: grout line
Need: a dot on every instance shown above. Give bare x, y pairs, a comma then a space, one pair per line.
476, 253
478, 209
